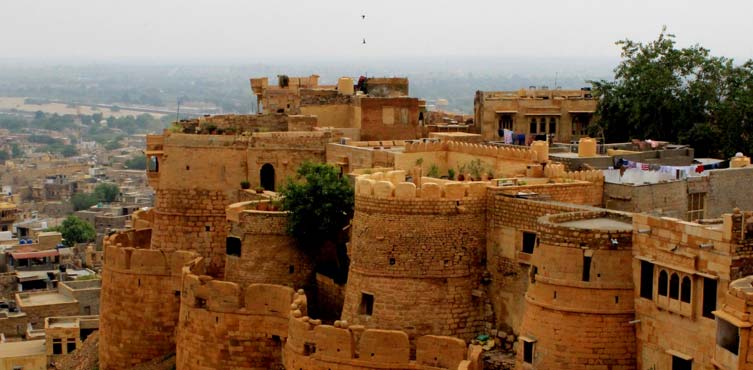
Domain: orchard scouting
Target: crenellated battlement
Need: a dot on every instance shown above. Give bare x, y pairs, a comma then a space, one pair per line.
313, 345
392, 185
557, 171
204, 292
521, 154
128, 252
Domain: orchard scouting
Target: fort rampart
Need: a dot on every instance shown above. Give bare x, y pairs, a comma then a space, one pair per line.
224, 325
415, 254
314, 346
140, 300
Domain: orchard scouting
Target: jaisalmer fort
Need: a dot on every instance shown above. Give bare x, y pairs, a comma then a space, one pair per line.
353, 226
533, 255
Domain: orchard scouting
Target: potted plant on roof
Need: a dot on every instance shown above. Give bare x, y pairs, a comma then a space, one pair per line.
245, 185
259, 190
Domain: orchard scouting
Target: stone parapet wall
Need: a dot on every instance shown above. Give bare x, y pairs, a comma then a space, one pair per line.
311, 345
392, 185
224, 325
522, 153
140, 298
553, 233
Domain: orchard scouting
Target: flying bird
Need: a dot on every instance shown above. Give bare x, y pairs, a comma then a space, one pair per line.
363, 16
364, 41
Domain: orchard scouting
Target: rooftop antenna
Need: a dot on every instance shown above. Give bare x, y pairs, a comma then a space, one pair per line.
556, 74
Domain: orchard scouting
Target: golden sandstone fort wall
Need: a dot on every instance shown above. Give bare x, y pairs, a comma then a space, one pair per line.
512, 222
140, 300
415, 255
267, 254
198, 175
313, 346
579, 303
224, 325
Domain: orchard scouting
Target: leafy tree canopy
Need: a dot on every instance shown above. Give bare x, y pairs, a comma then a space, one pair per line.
106, 192
83, 201
137, 162
320, 203
664, 93
76, 230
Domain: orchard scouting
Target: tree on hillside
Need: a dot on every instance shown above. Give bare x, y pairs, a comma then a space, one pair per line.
76, 230
320, 203
664, 93
106, 192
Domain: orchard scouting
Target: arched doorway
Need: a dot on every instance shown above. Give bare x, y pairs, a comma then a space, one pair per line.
267, 177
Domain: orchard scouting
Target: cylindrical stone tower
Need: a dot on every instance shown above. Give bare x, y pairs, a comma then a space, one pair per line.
579, 303
415, 256
260, 249
140, 301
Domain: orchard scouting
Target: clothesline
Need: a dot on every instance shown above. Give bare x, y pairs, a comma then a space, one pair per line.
679, 172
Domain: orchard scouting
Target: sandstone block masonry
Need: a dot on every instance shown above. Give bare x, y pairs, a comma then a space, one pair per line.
579, 302
260, 250
224, 325
414, 259
140, 301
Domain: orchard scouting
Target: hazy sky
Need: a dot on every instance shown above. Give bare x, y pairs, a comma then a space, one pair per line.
250, 30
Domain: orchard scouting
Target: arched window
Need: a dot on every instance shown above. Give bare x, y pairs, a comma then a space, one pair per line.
663, 283
674, 286
685, 289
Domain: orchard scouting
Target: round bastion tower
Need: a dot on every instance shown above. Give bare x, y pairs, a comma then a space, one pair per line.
415, 256
140, 300
196, 177
260, 249
579, 303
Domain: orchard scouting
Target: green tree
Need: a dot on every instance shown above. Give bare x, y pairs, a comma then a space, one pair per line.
4, 156
69, 151
83, 201
664, 93
106, 192
137, 162
115, 143
76, 230
16, 150
320, 203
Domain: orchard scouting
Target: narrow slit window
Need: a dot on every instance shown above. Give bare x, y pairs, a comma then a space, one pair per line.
709, 297
529, 242
647, 280
586, 268
367, 304
233, 246
528, 348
